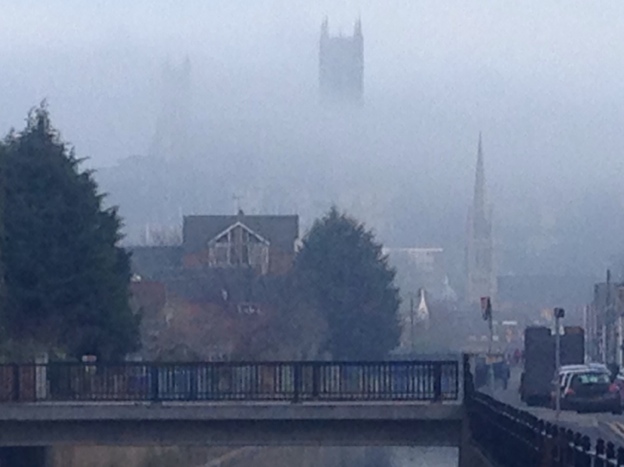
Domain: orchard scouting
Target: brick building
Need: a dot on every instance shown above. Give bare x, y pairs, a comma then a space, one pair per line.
224, 275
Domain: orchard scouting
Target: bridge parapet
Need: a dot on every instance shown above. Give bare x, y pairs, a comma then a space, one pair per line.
410, 380
233, 403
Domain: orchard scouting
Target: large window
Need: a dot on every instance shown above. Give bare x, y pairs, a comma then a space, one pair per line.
239, 246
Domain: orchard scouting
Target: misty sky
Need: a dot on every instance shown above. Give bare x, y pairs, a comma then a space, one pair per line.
540, 79
492, 61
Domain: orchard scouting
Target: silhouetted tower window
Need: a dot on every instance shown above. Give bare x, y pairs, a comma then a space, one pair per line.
341, 66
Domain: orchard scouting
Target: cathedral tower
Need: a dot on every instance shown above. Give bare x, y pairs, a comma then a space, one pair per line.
481, 274
341, 66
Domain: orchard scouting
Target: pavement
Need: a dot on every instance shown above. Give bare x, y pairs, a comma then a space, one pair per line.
607, 426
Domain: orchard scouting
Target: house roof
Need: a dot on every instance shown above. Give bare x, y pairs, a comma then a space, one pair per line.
243, 226
152, 261
280, 231
219, 285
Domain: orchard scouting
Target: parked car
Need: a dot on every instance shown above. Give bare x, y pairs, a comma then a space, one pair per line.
619, 383
587, 389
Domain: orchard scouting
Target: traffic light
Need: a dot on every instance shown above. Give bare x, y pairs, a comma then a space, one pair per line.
559, 312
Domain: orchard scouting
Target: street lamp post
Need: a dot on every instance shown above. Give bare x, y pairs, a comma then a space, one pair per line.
486, 306
412, 325
559, 314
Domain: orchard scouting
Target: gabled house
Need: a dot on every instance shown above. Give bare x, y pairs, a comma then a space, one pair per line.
265, 244
226, 270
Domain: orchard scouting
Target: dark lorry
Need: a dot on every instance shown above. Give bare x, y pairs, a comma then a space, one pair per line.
539, 360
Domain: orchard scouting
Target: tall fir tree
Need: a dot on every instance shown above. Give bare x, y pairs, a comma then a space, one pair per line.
350, 283
67, 279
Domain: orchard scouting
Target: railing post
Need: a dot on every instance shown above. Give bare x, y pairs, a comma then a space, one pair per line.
437, 381
296, 381
599, 460
193, 370
576, 444
544, 445
16, 382
467, 375
569, 445
316, 377
154, 389
610, 454
586, 446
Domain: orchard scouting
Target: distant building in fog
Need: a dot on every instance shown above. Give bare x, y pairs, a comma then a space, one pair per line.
480, 268
413, 322
341, 66
418, 268
531, 298
172, 125
604, 323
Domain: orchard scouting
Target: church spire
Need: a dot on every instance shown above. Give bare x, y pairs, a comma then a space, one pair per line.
479, 188
357, 29
481, 274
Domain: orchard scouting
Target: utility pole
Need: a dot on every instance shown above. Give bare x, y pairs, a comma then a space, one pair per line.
609, 321
491, 337
486, 306
412, 325
559, 314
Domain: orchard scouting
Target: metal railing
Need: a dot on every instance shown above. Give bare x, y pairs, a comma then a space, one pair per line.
512, 437
232, 381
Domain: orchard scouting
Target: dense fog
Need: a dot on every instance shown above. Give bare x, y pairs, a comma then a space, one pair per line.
539, 80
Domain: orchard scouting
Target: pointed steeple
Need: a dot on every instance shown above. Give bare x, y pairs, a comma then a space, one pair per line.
481, 274
357, 29
479, 188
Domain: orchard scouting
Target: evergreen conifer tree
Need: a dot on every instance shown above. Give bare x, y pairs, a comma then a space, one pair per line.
66, 278
348, 280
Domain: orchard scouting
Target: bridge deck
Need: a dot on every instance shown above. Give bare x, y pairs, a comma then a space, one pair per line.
241, 424
279, 403
247, 410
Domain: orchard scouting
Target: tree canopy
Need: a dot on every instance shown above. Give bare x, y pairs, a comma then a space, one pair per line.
66, 278
350, 283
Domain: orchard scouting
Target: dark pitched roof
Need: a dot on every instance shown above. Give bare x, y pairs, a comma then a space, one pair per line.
280, 231
209, 285
153, 261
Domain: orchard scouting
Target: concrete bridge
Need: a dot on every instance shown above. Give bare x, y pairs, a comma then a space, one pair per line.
418, 402
232, 424
254, 403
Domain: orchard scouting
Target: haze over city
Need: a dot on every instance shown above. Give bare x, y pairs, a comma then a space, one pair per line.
541, 81
311, 232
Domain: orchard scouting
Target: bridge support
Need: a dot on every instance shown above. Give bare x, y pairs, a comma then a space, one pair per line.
469, 453
24, 456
